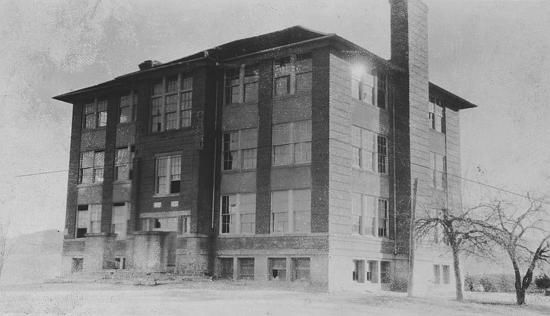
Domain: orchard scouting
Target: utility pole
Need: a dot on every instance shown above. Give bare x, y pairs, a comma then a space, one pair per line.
411, 241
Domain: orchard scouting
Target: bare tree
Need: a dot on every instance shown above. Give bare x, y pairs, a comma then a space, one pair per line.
524, 235
461, 231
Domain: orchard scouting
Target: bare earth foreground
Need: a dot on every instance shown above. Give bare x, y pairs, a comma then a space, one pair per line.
222, 298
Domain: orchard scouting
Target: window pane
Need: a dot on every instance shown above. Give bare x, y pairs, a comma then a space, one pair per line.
89, 108
302, 131
171, 120
157, 87
125, 114
303, 82
99, 158
249, 158
187, 83
89, 121
355, 92
302, 210
282, 155
186, 100
186, 118
172, 84
279, 207
282, 67
251, 92
161, 181
281, 134
282, 86
303, 63
102, 119
249, 138
302, 152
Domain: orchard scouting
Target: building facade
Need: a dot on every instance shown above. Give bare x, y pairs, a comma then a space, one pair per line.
293, 155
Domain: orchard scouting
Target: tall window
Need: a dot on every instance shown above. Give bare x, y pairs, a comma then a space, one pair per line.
369, 87
120, 220
383, 218
369, 150
291, 211
241, 85
446, 274
292, 143
239, 149
437, 274
300, 269
292, 74
95, 114
171, 103
128, 105
356, 214
91, 167
436, 115
168, 174
385, 272
238, 214
88, 220
439, 171
123, 160
358, 271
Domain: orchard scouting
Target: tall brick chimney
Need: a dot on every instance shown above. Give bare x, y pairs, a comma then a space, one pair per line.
409, 50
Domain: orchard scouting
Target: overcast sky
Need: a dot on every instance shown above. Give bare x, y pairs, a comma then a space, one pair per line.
493, 53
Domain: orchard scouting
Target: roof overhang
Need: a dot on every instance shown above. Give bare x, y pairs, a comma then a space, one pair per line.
455, 102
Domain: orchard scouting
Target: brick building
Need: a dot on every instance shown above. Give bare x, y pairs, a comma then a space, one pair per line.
286, 156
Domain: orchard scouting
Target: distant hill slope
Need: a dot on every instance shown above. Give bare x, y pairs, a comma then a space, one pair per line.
34, 258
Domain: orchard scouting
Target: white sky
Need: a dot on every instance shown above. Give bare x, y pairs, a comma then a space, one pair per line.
493, 53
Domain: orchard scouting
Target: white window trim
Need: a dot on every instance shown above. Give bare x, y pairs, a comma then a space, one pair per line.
373, 152
168, 174
235, 217
376, 74
240, 156
163, 97
292, 143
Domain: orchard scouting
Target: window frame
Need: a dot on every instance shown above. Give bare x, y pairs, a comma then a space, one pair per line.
98, 113
235, 216
289, 68
291, 210
439, 172
437, 115
240, 150
94, 168
182, 109
131, 105
362, 139
293, 143
169, 157
377, 86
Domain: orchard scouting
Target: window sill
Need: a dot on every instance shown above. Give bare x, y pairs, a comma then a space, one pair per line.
291, 165
289, 96
234, 235
89, 130
120, 124
238, 171
85, 185
165, 195
171, 131
125, 181
237, 104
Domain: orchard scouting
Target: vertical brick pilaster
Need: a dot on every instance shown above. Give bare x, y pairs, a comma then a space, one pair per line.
109, 164
320, 141
263, 170
72, 181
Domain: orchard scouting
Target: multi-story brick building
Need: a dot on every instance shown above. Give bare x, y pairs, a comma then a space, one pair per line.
286, 156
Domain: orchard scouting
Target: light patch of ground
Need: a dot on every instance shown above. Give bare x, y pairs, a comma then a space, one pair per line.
241, 298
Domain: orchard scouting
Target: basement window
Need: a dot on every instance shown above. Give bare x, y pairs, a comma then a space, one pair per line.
77, 265
246, 268
226, 268
372, 272
277, 269
300, 269
385, 272
120, 263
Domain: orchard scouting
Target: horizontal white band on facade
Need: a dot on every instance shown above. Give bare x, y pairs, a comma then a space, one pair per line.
165, 214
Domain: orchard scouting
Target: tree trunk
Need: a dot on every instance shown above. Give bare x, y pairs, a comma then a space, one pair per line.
520, 296
458, 277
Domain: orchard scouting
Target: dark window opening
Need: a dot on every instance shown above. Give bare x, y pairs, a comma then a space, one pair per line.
77, 265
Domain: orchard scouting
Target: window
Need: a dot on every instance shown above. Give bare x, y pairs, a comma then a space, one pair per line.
184, 224
77, 265
91, 167
439, 171
226, 268
168, 174
282, 73
277, 268
120, 220
300, 269
438, 236
372, 273
436, 115
246, 268
369, 87
383, 220
292, 74
358, 271
120, 263
239, 149
385, 272
160, 224
446, 274
437, 274
241, 85
291, 211
171, 103
356, 213
95, 114
128, 106
88, 220
238, 214
123, 165
382, 153
292, 143
369, 150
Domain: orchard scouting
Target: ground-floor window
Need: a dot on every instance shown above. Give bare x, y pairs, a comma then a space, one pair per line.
385, 272
120, 263
300, 269
358, 274
446, 274
226, 268
437, 274
246, 268
372, 272
77, 265
277, 268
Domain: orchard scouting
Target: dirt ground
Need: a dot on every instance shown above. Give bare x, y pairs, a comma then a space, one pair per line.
232, 298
